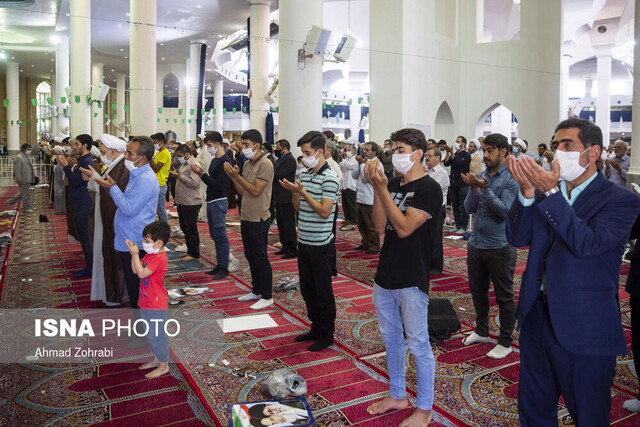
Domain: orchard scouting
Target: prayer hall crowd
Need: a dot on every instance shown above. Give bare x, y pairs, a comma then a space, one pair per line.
566, 202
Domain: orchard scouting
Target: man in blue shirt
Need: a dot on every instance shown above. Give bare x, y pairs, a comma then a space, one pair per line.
136, 206
490, 257
80, 199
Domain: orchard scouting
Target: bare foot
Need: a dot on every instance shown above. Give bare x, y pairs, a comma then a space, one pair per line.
419, 418
163, 368
388, 404
153, 364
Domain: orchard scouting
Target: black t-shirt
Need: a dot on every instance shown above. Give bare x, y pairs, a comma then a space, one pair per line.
404, 263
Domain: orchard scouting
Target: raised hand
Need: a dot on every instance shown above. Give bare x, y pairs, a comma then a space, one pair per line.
107, 182
526, 187
538, 177
133, 248
295, 187
197, 169
232, 171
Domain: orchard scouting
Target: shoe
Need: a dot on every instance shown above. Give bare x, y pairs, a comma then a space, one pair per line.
249, 297
85, 272
309, 336
220, 274
181, 248
321, 344
372, 252
348, 227
499, 352
213, 271
435, 273
280, 252
359, 248
289, 256
475, 339
460, 231
262, 303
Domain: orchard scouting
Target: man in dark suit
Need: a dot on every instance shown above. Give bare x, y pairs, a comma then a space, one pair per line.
285, 168
576, 224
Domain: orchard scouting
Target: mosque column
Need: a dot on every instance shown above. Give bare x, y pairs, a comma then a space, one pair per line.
633, 175
355, 115
300, 90
54, 123
13, 110
218, 104
62, 82
142, 64
120, 100
603, 100
97, 120
193, 88
80, 61
259, 63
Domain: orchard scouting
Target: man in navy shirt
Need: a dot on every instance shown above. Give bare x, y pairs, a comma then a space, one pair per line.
80, 199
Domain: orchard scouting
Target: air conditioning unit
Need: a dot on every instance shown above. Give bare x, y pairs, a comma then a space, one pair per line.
99, 92
64, 130
120, 125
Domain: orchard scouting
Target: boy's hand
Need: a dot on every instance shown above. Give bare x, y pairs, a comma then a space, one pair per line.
133, 248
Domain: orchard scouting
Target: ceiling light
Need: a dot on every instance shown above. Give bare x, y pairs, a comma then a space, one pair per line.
66, 14
114, 80
162, 58
13, 57
125, 57
20, 70
181, 19
64, 28
113, 70
51, 71
32, 65
121, 50
166, 85
199, 6
128, 14
187, 81
120, 25
161, 44
55, 39
2, 55
209, 46
52, 59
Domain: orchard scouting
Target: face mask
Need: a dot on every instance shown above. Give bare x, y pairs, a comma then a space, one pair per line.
157, 147
516, 149
569, 161
311, 162
27, 153
130, 165
349, 154
456, 146
402, 162
148, 248
278, 153
249, 153
181, 160
212, 150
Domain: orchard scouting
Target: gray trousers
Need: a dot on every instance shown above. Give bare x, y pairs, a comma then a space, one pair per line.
22, 195
495, 266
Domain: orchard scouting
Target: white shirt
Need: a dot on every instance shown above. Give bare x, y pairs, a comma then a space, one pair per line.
335, 168
440, 175
347, 166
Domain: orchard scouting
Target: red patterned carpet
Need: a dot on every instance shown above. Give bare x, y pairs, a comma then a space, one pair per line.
342, 381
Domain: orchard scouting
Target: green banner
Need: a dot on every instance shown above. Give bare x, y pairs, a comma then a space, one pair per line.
63, 100
203, 111
126, 108
224, 111
50, 101
28, 121
360, 100
99, 104
324, 106
159, 110
158, 120
277, 108
214, 111
34, 101
179, 111
182, 120
106, 116
175, 120
244, 109
189, 121
95, 114
114, 106
64, 111
233, 109
333, 103
5, 102
167, 120
77, 98
192, 111
115, 117
349, 102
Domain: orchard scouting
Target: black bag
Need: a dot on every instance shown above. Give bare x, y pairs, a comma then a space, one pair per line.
442, 320
36, 180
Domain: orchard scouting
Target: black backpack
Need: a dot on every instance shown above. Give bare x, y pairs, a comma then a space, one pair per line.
442, 320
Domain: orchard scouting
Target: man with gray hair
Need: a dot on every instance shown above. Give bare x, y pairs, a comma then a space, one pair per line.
617, 167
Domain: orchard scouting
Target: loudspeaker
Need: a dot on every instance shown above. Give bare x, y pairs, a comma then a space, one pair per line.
99, 92
317, 40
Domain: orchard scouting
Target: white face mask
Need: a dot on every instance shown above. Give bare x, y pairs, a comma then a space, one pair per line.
402, 162
570, 167
27, 153
311, 162
148, 248
249, 153
130, 165
156, 147
212, 150
457, 146
349, 154
181, 160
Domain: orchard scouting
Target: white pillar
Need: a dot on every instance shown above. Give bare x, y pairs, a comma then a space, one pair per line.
142, 67
564, 89
603, 101
13, 110
501, 121
218, 104
300, 91
259, 65
54, 123
120, 100
62, 82
354, 116
80, 61
97, 115
633, 175
193, 74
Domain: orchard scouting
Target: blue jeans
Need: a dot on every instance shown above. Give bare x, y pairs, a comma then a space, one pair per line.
81, 219
162, 204
408, 307
159, 343
217, 219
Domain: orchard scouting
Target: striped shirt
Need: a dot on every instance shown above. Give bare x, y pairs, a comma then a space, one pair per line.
313, 230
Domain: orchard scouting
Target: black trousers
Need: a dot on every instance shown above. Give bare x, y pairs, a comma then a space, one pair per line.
349, 205
495, 266
634, 303
130, 278
436, 254
286, 218
172, 188
188, 219
314, 268
332, 248
255, 237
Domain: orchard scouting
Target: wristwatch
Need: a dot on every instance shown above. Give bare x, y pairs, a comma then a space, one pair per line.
551, 192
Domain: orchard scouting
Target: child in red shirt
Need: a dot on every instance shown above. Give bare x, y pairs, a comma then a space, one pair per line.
153, 300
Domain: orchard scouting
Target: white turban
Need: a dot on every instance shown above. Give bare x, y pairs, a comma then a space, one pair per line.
59, 149
201, 135
113, 142
521, 143
57, 139
95, 152
477, 143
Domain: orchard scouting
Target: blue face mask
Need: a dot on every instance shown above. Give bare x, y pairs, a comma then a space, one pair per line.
516, 149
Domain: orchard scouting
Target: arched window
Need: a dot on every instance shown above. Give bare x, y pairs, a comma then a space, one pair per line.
170, 90
43, 112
